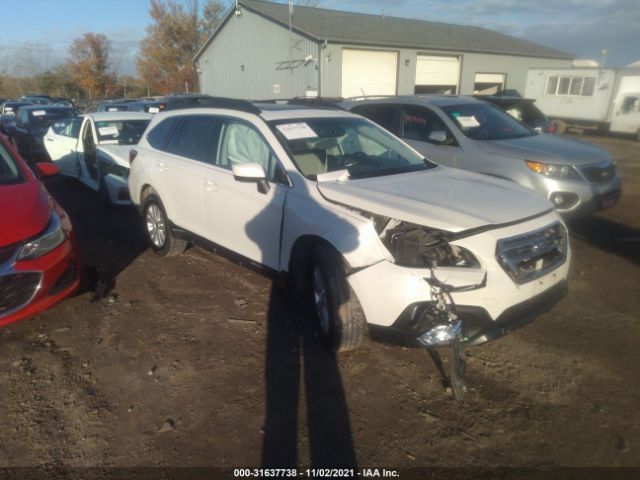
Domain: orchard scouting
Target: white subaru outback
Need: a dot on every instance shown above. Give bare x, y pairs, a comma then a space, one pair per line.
373, 231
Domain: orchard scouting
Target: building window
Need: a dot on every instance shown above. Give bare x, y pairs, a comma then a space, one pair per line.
574, 86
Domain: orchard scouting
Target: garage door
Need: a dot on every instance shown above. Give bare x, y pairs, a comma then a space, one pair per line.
488, 83
367, 72
435, 74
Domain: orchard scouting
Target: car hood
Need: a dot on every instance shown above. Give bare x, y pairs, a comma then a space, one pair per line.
546, 148
119, 153
443, 198
25, 211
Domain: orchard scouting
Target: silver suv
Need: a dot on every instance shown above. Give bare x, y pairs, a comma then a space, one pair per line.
464, 132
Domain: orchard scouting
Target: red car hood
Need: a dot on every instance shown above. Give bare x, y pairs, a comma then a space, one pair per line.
24, 213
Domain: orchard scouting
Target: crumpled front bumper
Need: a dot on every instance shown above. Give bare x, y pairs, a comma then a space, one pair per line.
395, 297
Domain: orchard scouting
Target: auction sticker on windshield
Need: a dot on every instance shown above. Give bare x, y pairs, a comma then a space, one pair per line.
154, 109
38, 113
468, 122
294, 131
109, 130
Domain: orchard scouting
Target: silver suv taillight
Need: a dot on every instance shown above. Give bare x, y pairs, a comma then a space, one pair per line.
531, 255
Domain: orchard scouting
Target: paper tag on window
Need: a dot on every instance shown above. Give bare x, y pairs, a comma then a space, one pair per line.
108, 131
112, 109
154, 109
294, 131
38, 113
468, 122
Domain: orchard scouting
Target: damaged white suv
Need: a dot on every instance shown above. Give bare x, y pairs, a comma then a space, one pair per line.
373, 231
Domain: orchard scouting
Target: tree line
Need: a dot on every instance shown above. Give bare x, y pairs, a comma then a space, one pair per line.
164, 63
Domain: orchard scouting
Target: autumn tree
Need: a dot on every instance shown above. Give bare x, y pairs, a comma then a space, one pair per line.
212, 14
165, 61
89, 64
165, 58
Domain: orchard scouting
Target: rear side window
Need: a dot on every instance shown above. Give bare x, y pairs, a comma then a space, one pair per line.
383, 115
196, 138
157, 137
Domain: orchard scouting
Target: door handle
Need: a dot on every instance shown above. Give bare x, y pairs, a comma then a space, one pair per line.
162, 167
49, 139
210, 186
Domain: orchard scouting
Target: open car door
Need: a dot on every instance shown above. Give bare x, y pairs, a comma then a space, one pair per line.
61, 142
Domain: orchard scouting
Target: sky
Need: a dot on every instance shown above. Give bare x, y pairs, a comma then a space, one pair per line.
36, 34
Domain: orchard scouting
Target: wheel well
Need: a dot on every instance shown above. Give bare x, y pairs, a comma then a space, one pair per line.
145, 191
299, 262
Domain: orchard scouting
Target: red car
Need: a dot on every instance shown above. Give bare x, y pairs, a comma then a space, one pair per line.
38, 259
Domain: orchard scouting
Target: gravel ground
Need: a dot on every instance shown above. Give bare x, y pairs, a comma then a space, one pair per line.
195, 361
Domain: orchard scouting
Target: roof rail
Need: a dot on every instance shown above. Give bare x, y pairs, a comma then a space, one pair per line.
314, 102
215, 102
368, 97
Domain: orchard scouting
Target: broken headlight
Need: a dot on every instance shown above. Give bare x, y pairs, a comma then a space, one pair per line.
416, 246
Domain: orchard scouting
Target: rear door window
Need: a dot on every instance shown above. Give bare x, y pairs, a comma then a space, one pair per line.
196, 138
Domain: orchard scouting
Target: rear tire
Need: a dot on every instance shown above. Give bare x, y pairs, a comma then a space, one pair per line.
339, 316
163, 242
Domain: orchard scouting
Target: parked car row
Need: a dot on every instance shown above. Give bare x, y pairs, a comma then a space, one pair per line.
357, 206
155, 105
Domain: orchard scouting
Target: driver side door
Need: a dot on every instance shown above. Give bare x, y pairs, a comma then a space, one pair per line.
87, 155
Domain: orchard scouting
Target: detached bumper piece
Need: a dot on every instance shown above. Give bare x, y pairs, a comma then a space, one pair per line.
477, 325
17, 290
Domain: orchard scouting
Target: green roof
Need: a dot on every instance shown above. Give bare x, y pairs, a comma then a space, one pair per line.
363, 29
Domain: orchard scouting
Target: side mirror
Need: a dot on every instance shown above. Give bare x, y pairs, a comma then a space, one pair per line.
248, 172
47, 170
438, 136
251, 172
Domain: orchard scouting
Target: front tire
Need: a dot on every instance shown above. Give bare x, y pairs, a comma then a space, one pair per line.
339, 316
163, 242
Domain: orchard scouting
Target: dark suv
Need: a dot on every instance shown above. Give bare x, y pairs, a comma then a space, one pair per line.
523, 110
32, 123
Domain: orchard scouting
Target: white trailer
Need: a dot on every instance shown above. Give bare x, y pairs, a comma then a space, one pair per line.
588, 97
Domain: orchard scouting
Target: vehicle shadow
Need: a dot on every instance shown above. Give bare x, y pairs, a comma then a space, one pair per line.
298, 367
108, 239
608, 236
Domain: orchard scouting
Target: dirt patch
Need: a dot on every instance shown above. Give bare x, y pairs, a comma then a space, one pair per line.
194, 361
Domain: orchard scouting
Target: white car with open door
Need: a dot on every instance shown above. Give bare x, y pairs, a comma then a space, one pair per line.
94, 148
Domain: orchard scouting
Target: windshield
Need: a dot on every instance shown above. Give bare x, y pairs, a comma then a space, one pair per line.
44, 118
10, 172
322, 145
122, 132
482, 121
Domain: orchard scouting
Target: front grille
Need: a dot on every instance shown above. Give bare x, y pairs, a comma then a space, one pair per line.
600, 173
532, 255
16, 290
